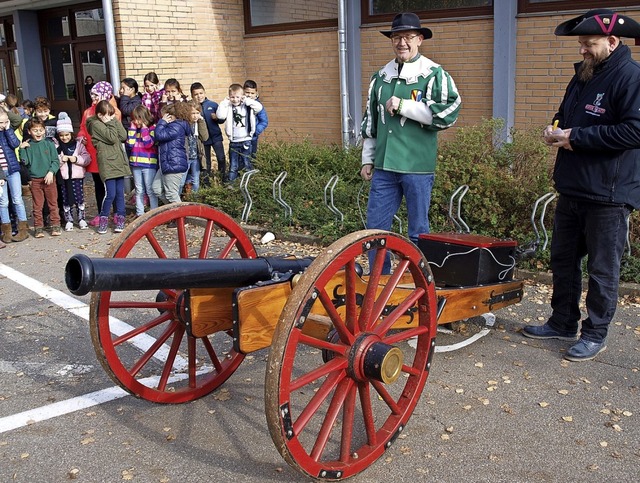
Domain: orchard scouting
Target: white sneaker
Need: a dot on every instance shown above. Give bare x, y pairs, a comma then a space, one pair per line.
83, 225
68, 226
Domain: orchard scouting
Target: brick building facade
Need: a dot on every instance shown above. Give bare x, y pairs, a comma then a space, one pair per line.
298, 70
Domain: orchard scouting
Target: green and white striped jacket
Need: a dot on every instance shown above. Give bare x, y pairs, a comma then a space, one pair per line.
407, 141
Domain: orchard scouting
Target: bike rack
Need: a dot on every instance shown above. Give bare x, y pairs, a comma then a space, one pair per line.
331, 184
248, 201
530, 248
288, 212
459, 223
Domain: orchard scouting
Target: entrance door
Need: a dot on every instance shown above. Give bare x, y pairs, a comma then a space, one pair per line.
69, 65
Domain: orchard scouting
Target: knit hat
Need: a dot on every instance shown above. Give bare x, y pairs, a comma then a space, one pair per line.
64, 123
103, 90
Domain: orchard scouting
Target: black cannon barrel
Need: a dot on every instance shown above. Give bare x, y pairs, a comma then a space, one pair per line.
84, 274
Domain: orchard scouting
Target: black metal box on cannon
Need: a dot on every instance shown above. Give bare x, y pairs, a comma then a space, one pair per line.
462, 259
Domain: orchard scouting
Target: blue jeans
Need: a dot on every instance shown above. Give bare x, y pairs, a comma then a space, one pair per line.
13, 186
386, 193
143, 179
114, 190
193, 175
598, 231
239, 157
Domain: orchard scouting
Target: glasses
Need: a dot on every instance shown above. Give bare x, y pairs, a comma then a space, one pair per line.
407, 38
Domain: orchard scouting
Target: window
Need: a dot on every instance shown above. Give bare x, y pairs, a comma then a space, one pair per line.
281, 15
532, 6
376, 11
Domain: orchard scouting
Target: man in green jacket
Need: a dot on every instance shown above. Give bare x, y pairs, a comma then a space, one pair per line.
410, 100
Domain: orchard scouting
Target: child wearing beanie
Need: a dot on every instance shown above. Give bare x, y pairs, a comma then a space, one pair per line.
74, 158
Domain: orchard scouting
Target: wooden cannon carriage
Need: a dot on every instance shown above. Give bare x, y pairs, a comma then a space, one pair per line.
174, 311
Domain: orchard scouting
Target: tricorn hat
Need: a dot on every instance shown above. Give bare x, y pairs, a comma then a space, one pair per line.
407, 21
600, 21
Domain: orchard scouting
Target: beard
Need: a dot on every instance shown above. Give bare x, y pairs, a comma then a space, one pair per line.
589, 65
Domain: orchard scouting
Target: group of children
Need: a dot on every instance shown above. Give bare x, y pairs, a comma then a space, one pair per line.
161, 138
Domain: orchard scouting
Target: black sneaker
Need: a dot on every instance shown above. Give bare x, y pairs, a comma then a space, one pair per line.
546, 332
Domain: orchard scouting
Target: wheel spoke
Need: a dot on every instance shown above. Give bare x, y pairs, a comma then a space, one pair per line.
173, 327
386, 293
323, 344
351, 305
333, 365
386, 397
372, 288
364, 391
166, 371
400, 310
344, 331
153, 241
227, 249
319, 397
212, 354
164, 317
406, 334
348, 417
191, 345
330, 418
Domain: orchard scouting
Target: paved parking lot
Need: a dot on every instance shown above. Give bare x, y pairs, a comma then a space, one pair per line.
503, 409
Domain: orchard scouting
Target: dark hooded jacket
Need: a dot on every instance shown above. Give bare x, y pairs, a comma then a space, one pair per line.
604, 117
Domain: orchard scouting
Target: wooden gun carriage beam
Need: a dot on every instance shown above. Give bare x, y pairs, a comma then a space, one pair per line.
174, 312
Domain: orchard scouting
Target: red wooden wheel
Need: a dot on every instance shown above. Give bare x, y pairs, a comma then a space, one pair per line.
334, 404
139, 337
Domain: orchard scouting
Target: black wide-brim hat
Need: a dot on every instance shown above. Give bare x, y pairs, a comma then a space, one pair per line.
600, 21
407, 21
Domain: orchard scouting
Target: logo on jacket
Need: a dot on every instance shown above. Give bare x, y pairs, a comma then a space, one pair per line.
595, 109
416, 95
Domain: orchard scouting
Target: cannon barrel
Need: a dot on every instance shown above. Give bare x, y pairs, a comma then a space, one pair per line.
84, 274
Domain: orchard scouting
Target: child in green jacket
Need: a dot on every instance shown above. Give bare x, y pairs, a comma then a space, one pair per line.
108, 134
40, 155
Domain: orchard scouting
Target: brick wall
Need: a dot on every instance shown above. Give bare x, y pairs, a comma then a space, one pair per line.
299, 83
194, 40
544, 66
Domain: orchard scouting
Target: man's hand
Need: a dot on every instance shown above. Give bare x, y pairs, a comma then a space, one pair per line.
366, 172
392, 105
48, 179
558, 138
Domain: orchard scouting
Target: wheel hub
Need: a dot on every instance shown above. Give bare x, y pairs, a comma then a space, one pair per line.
370, 358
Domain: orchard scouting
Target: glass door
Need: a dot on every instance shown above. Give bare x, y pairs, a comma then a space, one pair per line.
92, 67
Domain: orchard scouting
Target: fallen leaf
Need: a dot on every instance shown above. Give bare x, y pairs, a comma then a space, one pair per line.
444, 437
543, 404
567, 419
87, 441
604, 444
73, 473
564, 392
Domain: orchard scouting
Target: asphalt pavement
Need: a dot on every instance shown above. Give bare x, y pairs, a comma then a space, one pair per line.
503, 409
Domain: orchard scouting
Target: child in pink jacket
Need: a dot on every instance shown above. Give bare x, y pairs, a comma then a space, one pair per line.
73, 161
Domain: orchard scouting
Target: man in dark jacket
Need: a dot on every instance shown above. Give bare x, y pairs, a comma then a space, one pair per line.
597, 173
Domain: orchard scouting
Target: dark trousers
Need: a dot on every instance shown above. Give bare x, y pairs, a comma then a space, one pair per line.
598, 231
218, 149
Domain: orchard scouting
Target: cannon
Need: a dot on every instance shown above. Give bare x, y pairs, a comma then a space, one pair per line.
174, 311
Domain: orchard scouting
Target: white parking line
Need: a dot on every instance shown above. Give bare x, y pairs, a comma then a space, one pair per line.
68, 303
143, 342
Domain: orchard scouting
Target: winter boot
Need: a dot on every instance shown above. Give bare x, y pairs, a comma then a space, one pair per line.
103, 223
23, 232
6, 233
119, 222
81, 221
